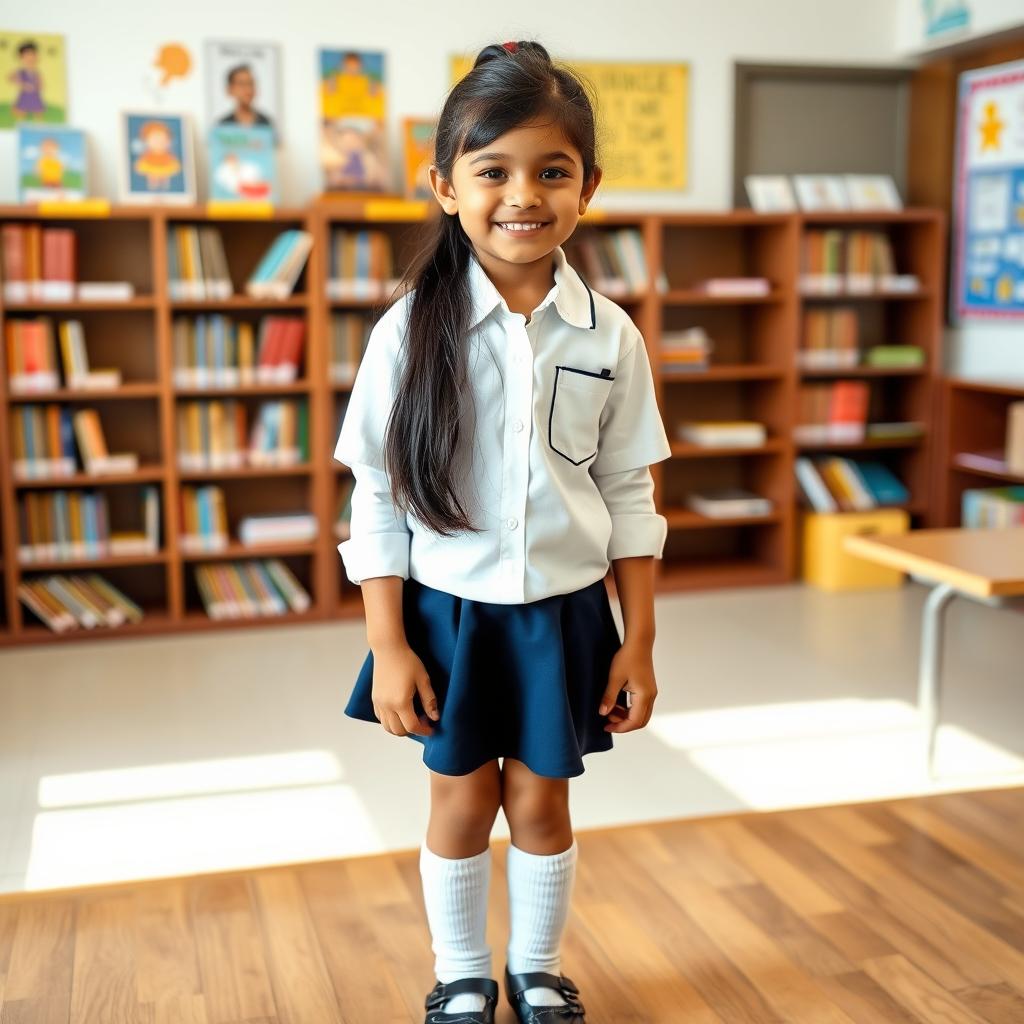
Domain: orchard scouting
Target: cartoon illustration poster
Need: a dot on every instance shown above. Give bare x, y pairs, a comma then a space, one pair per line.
353, 104
51, 163
242, 163
157, 158
988, 214
33, 84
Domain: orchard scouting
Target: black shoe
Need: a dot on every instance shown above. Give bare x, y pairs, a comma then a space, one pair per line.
570, 1012
442, 992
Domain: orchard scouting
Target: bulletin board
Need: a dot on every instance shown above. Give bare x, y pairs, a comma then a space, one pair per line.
643, 114
988, 204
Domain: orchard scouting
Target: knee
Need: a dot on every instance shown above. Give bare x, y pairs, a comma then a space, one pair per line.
538, 815
466, 816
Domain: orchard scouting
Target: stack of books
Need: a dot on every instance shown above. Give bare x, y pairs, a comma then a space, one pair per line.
278, 271
722, 433
39, 264
70, 602
31, 356
685, 351
214, 435
894, 356
92, 447
42, 442
249, 588
992, 507
204, 520
832, 412
835, 484
360, 265
350, 332
831, 338
197, 267
278, 528
858, 262
729, 503
213, 351
613, 262
74, 525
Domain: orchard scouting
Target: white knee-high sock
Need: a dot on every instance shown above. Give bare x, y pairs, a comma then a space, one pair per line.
455, 897
539, 893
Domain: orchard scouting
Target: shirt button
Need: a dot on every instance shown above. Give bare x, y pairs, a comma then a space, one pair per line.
517, 425
512, 522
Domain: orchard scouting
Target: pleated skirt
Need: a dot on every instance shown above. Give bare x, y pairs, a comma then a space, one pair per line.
511, 680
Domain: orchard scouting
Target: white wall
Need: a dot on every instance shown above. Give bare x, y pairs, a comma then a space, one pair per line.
985, 18
110, 53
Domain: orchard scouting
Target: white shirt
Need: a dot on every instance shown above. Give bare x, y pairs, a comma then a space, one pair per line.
567, 424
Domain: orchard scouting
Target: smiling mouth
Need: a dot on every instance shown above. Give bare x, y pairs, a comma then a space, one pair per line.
522, 228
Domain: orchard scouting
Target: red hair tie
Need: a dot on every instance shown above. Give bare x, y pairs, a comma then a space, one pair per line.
511, 46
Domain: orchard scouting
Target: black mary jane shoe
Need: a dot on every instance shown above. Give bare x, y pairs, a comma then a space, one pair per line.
442, 992
570, 1012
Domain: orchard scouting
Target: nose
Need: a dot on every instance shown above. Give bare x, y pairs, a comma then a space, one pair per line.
522, 194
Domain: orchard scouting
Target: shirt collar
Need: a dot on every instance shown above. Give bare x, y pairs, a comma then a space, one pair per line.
570, 293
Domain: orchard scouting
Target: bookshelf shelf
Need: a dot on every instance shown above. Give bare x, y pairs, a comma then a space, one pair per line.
859, 446
752, 373
863, 371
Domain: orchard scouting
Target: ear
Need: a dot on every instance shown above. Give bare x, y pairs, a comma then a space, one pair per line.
442, 189
589, 189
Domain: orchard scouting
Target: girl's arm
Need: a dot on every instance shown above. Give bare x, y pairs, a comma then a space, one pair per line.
382, 601
634, 584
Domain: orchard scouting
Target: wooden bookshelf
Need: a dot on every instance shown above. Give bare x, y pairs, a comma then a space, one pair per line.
752, 374
972, 420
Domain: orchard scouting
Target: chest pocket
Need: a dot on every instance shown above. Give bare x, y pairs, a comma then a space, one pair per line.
577, 398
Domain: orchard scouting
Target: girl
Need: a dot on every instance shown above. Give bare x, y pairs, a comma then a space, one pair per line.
500, 430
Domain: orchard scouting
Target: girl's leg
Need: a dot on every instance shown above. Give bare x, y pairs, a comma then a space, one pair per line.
455, 868
541, 868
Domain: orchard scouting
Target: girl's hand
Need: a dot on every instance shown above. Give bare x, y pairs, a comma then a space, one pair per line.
398, 674
633, 663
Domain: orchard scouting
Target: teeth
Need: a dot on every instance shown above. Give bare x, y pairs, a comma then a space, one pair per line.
522, 227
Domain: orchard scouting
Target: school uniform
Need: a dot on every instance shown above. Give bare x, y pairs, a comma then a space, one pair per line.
513, 622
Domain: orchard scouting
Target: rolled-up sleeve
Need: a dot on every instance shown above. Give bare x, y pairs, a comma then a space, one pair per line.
632, 433
379, 535
637, 529
379, 539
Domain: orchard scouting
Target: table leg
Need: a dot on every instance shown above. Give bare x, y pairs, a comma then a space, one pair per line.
930, 678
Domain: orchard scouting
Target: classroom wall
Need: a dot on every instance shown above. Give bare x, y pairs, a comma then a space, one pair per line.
110, 57
985, 18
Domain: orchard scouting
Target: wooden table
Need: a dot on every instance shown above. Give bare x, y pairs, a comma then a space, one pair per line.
984, 565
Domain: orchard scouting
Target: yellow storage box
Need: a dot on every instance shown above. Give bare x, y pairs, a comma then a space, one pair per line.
827, 566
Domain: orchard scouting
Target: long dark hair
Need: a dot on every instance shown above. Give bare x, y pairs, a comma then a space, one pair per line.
507, 87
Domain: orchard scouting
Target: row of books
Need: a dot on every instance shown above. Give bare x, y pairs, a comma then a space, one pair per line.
214, 434
837, 412
32, 358
215, 351
45, 440
41, 265
831, 339
360, 265
248, 588
836, 484
66, 602
350, 332
205, 523
613, 262
74, 525
992, 507
859, 262
685, 351
197, 265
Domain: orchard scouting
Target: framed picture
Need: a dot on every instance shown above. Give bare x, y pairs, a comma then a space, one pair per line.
52, 163
156, 158
33, 83
872, 192
770, 193
418, 145
821, 192
243, 85
243, 165
353, 136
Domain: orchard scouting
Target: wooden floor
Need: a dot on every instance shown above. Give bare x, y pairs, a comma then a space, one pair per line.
908, 910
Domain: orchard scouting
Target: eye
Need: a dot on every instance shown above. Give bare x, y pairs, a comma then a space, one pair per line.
485, 174
557, 170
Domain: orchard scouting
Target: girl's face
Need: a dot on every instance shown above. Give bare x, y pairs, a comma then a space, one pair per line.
530, 174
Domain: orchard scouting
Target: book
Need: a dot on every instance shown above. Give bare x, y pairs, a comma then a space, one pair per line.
67, 602
197, 265
1015, 438
992, 507
739, 287
277, 528
894, 355
38, 263
249, 588
729, 503
723, 434
278, 271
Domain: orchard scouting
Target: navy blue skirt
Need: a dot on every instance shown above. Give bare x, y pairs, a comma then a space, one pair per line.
511, 680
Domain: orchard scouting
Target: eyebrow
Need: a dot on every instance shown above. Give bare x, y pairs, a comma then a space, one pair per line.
556, 155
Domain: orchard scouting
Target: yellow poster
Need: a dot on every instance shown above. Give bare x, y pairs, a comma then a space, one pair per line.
642, 110
33, 87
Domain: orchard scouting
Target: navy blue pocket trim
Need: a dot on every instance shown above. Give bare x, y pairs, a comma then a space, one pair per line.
605, 374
